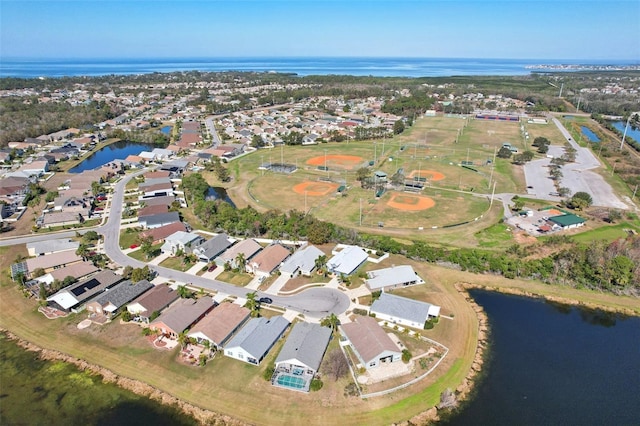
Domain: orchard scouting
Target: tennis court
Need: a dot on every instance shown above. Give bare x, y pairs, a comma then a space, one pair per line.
292, 382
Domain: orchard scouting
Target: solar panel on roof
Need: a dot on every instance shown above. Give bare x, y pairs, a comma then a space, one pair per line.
86, 287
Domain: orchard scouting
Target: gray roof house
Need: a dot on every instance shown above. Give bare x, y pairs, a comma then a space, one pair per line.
180, 240
248, 248
210, 249
302, 261
370, 342
39, 248
301, 356
347, 260
393, 277
158, 220
111, 300
70, 297
401, 310
182, 315
255, 339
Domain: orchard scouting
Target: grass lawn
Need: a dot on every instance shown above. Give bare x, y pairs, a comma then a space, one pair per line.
608, 233
239, 279
128, 237
176, 263
139, 255
496, 236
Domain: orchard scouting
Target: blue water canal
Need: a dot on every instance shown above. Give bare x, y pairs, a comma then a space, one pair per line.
631, 132
115, 151
555, 364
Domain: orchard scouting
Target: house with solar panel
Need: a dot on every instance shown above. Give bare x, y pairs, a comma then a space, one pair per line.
255, 339
109, 302
73, 297
403, 311
300, 357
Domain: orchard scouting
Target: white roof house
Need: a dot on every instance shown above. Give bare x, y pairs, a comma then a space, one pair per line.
393, 277
181, 240
39, 248
347, 260
302, 261
401, 310
255, 339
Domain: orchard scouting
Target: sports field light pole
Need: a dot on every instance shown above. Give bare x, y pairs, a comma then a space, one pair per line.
325, 163
360, 211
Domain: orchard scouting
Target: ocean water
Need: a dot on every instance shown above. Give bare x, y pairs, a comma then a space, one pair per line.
357, 66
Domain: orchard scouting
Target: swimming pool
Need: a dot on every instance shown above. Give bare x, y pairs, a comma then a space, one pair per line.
293, 382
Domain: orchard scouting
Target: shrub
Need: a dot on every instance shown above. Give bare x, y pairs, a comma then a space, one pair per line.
316, 385
126, 316
351, 390
406, 356
268, 373
428, 325
359, 311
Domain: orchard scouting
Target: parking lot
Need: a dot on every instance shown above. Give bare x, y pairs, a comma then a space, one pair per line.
531, 224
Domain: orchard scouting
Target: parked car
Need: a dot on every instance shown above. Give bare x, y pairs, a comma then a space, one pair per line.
132, 246
212, 268
265, 300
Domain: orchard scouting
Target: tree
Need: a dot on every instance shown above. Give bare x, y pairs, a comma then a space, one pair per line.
320, 262
543, 149
332, 321
38, 272
362, 174
96, 188
406, 355
398, 127
183, 339
42, 291
527, 155
614, 214
241, 261
90, 236
126, 272
540, 141
504, 152
580, 201
146, 245
252, 304
336, 365
139, 274
256, 141
83, 251
184, 292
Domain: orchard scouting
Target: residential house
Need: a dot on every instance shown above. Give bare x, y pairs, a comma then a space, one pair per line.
303, 261
158, 220
41, 248
248, 248
347, 260
151, 210
301, 355
111, 300
210, 249
77, 271
401, 310
158, 201
35, 168
393, 277
370, 342
159, 234
52, 261
220, 324
181, 241
182, 315
156, 174
268, 260
73, 296
13, 189
255, 339
155, 300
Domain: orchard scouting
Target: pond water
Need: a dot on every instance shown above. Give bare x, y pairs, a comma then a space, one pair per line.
218, 193
553, 364
166, 129
115, 151
631, 132
38, 392
592, 137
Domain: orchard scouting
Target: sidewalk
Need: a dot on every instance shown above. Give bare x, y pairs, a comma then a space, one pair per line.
278, 284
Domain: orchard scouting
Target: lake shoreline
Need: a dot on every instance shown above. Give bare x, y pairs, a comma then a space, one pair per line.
202, 416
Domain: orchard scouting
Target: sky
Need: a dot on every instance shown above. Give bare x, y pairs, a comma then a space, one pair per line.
513, 29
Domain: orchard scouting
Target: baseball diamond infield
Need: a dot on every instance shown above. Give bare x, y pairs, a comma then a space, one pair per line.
410, 202
429, 174
316, 189
347, 161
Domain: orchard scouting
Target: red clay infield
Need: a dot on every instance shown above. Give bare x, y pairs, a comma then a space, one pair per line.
410, 202
429, 174
346, 161
315, 189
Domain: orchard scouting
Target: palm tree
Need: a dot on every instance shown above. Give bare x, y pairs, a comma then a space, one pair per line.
252, 304
332, 321
183, 339
241, 261
83, 251
321, 262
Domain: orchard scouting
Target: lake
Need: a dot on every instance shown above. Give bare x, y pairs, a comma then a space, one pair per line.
115, 151
553, 364
217, 193
38, 392
592, 137
631, 132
